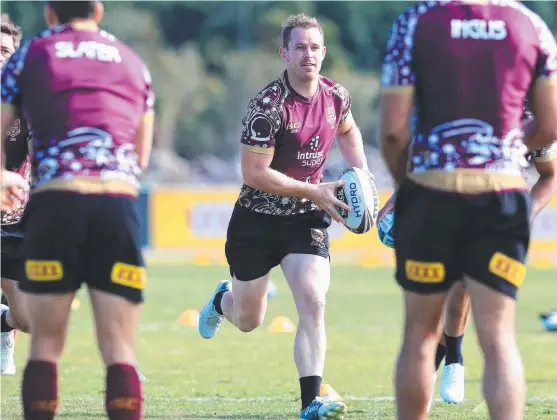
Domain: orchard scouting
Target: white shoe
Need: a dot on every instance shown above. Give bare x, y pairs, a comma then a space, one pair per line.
432, 392
452, 383
7, 348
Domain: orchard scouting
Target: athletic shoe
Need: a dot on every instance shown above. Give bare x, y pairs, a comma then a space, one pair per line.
209, 319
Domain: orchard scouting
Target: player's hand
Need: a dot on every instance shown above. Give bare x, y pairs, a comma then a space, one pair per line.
325, 197
13, 188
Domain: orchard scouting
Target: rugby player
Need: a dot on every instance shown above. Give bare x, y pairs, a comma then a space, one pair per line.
457, 305
11, 229
283, 210
462, 208
90, 102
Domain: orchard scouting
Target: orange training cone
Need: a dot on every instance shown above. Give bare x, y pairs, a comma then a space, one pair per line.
282, 324
327, 390
190, 318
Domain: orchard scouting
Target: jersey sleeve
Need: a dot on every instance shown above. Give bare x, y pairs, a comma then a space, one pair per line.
262, 123
10, 78
397, 69
545, 154
546, 66
346, 103
148, 93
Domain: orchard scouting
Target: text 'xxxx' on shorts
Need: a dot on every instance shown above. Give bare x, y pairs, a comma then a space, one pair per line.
443, 236
73, 238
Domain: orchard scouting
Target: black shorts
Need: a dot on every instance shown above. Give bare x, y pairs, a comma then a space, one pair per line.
442, 236
255, 242
12, 258
73, 238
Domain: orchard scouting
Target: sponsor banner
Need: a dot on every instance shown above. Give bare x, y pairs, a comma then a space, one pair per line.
143, 213
194, 222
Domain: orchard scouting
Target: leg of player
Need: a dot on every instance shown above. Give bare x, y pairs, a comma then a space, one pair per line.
243, 303
457, 312
414, 371
309, 277
503, 381
12, 318
48, 319
116, 320
7, 344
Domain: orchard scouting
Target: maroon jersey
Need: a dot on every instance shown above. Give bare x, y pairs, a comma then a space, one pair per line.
472, 65
298, 131
16, 149
84, 93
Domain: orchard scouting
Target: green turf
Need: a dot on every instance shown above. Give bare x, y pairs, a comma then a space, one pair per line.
364, 331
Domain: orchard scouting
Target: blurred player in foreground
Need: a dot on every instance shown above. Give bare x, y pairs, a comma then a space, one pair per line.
283, 211
457, 305
462, 209
17, 160
90, 102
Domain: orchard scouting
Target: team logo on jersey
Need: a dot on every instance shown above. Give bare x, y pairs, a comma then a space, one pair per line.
15, 130
330, 114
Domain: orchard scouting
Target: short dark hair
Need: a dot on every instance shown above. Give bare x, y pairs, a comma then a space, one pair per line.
68, 10
300, 20
9, 28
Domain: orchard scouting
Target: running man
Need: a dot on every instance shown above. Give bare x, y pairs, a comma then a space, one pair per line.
283, 211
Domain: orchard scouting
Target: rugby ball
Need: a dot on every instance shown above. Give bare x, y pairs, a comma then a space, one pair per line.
386, 223
360, 193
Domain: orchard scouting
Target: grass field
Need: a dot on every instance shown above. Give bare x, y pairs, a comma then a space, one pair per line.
252, 376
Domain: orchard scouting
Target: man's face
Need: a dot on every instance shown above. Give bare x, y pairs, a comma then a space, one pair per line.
305, 53
7, 47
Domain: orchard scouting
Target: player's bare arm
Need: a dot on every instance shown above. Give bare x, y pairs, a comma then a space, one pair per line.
543, 130
144, 139
394, 128
351, 144
12, 183
258, 174
545, 187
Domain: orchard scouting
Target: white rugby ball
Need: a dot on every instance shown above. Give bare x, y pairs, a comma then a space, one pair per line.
361, 195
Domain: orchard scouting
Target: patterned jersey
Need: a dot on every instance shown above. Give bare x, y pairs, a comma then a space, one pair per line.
471, 65
298, 131
84, 93
17, 160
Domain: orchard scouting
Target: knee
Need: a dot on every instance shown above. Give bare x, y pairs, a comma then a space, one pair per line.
457, 310
47, 346
311, 307
114, 348
495, 343
458, 305
421, 338
19, 321
247, 322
